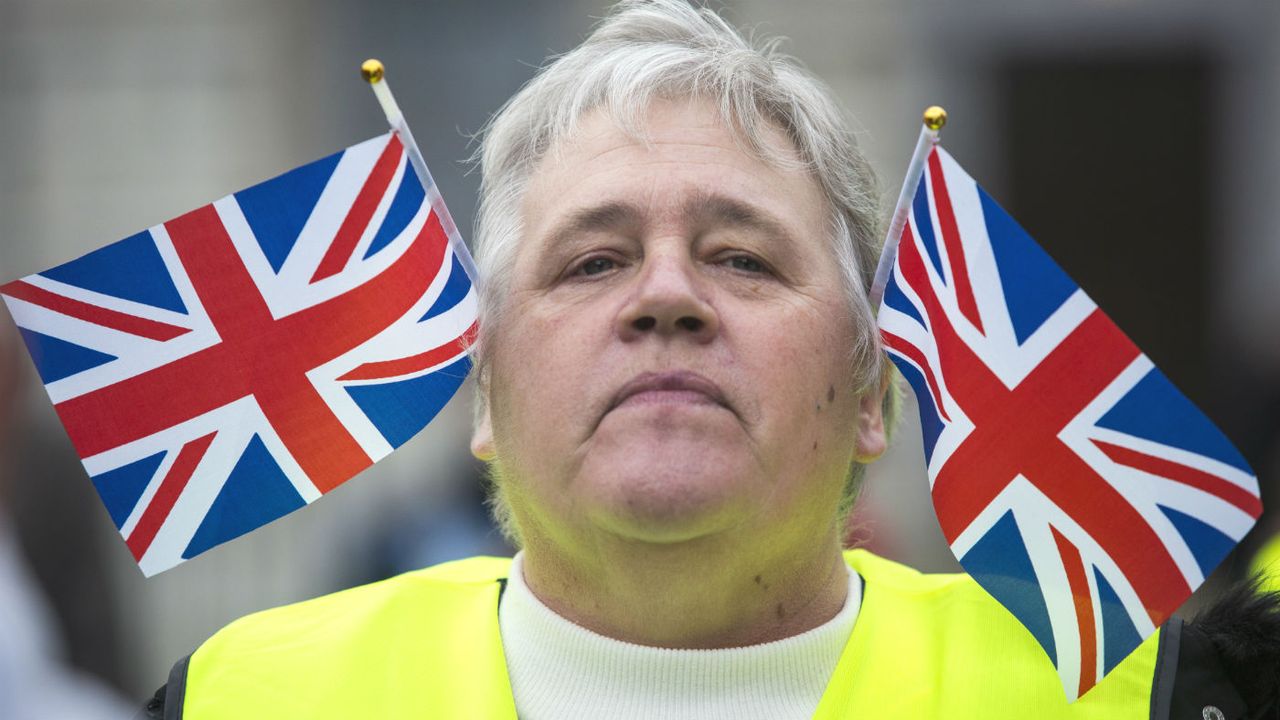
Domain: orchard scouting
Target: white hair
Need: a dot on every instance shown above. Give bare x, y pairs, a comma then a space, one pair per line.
668, 49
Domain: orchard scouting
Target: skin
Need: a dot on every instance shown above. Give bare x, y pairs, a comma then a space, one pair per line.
698, 513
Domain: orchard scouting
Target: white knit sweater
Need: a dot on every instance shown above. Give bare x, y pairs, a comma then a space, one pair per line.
560, 670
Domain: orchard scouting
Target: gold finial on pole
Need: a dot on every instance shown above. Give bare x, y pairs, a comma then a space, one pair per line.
372, 71
934, 116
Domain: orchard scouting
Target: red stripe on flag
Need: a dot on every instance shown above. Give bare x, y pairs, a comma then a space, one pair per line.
259, 355
113, 319
353, 226
1016, 433
1198, 479
414, 363
167, 495
913, 353
1079, 583
951, 236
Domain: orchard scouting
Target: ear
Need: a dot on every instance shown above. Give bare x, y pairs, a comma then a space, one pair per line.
482, 437
872, 440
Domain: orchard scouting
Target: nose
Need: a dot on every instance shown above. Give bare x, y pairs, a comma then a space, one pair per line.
668, 300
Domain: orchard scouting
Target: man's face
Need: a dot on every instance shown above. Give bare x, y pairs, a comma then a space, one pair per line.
673, 356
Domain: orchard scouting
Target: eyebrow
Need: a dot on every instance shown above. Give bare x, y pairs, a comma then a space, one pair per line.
716, 210
702, 210
607, 216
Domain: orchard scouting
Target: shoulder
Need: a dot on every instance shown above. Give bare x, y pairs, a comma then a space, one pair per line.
330, 617
1228, 658
935, 609
934, 613
433, 630
883, 570
974, 653
884, 577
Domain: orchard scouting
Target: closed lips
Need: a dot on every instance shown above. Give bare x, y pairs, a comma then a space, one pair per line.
670, 387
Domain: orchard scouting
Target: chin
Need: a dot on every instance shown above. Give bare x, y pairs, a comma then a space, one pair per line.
663, 504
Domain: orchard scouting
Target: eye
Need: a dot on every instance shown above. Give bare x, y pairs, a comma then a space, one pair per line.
596, 265
747, 264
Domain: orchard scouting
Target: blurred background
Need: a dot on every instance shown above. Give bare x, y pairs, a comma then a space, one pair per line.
1135, 139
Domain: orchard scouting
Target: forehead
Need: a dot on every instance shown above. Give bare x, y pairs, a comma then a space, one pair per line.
680, 154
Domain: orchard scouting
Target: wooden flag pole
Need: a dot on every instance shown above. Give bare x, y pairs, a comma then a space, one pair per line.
934, 118
374, 73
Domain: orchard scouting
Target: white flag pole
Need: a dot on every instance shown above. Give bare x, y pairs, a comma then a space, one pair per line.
375, 74
934, 118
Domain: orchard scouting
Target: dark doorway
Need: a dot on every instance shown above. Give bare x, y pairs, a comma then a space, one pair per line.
1109, 167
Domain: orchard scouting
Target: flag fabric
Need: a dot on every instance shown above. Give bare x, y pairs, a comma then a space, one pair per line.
1072, 480
231, 365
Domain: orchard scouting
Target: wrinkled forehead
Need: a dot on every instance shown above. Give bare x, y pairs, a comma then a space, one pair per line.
680, 164
748, 122
661, 119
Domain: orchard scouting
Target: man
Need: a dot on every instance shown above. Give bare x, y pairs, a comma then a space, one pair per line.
679, 383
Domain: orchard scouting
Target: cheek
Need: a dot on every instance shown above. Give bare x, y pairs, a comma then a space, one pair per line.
810, 382
539, 367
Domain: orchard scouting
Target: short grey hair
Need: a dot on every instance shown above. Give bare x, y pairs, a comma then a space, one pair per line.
645, 50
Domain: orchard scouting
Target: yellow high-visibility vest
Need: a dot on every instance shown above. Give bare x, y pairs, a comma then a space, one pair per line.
426, 645
1267, 565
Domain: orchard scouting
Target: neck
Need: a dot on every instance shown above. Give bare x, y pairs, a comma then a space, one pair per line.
705, 593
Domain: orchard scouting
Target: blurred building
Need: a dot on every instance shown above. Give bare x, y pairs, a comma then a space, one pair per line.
1131, 137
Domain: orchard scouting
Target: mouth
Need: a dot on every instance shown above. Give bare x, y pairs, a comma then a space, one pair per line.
679, 387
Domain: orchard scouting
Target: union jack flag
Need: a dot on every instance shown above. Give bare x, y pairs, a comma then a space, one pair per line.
1072, 480
231, 365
